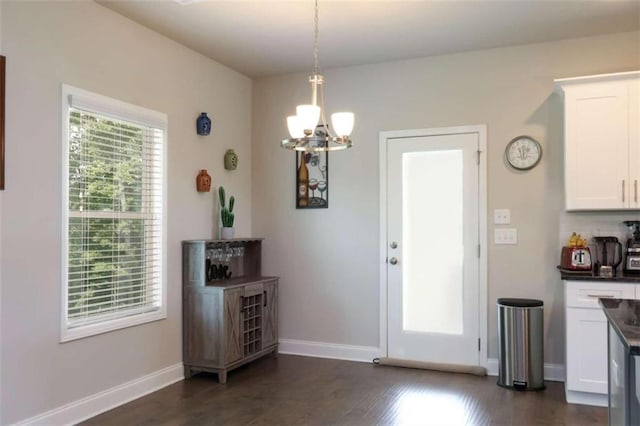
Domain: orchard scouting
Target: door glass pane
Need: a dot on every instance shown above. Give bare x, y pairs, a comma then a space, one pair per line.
432, 241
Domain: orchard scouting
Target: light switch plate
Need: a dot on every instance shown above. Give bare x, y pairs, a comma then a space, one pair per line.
505, 236
502, 216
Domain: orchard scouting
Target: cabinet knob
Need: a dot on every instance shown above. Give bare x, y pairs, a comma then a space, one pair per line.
393, 261
393, 245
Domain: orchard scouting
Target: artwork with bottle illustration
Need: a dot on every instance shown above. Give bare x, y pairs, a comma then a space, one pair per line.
312, 180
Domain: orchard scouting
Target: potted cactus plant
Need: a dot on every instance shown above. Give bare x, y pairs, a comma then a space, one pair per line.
226, 215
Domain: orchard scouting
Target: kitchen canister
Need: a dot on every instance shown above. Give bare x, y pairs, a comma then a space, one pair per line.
203, 124
230, 160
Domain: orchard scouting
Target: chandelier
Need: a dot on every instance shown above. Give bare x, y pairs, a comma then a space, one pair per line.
308, 129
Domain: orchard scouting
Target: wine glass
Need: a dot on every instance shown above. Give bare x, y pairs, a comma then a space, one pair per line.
323, 170
322, 186
313, 184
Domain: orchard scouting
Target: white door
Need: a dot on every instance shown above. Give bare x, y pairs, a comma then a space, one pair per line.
433, 248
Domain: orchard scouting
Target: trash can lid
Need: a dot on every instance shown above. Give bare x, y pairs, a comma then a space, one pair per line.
520, 303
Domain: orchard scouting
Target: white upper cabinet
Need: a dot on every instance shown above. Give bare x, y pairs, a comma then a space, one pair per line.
602, 141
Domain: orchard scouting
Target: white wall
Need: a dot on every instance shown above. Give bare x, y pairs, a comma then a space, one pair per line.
91, 47
328, 259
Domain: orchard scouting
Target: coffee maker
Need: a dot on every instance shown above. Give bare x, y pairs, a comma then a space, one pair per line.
608, 254
632, 253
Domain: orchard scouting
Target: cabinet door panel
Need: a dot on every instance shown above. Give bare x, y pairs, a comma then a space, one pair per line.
270, 314
597, 146
233, 316
202, 327
586, 350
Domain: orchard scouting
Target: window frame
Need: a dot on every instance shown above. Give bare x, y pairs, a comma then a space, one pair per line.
106, 106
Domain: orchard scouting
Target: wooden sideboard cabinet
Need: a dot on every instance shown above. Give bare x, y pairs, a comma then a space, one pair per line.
227, 322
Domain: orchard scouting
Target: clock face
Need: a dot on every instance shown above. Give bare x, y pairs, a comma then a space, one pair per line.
523, 153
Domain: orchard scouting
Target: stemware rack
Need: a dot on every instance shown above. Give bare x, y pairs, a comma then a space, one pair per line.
243, 258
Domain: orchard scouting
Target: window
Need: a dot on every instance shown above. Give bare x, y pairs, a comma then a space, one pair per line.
113, 214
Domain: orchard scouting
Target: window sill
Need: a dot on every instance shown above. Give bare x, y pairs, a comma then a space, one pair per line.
70, 334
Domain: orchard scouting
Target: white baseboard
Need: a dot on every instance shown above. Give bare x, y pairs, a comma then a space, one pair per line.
552, 372
587, 398
100, 402
328, 350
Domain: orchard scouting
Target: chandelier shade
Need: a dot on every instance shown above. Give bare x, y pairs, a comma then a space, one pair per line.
308, 117
295, 128
342, 123
308, 129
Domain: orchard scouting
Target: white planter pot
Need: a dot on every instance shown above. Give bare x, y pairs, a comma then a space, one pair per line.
227, 233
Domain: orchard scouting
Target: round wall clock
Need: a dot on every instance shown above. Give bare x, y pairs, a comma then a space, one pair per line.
523, 153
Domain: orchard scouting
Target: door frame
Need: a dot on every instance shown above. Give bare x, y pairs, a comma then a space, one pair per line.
385, 136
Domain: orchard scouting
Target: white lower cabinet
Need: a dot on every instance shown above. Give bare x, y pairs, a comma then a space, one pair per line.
586, 338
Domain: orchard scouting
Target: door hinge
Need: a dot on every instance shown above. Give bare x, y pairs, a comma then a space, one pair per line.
478, 344
478, 158
478, 250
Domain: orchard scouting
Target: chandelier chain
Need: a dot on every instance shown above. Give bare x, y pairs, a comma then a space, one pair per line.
316, 67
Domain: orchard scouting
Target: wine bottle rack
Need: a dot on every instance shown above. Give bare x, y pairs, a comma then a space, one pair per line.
252, 330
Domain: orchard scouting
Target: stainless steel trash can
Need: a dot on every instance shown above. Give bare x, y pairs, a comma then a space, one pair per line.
520, 344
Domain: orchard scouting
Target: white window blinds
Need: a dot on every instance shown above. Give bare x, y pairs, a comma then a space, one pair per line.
114, 215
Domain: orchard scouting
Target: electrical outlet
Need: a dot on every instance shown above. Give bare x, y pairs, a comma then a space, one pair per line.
505, 236
502, 216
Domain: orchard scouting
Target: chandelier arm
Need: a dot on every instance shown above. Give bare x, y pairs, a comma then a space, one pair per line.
327, 128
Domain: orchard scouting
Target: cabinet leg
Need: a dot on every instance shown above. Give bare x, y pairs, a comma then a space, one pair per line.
187, 372
275, 353
222, 376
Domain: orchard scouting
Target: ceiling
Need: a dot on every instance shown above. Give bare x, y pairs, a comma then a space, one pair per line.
260, 38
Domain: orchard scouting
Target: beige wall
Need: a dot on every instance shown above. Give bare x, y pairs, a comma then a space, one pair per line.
88, 46
328, 259
1, 192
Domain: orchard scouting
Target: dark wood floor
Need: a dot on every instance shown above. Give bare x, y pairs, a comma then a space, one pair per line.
291, 390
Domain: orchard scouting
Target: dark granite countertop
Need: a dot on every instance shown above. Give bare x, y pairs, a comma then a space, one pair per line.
624, 317
587, 276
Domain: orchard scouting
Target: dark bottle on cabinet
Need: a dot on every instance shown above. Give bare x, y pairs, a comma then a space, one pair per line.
303, 182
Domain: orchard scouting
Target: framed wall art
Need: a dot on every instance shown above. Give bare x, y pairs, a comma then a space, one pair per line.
312, 180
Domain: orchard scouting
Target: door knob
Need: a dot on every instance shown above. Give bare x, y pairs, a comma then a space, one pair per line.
393, 261
393, 245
